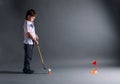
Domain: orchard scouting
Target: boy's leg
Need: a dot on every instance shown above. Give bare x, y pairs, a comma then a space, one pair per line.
28, 57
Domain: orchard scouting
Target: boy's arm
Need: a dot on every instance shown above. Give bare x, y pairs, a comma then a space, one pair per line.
34, 39
37, 38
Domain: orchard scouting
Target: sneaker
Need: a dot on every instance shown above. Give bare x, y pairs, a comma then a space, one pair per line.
28, 71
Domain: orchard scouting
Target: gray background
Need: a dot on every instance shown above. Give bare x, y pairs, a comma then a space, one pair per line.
68, 30
72, 33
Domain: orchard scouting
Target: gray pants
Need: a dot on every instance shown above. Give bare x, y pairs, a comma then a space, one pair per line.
28, 55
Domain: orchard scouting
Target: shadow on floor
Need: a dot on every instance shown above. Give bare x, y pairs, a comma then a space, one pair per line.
10, 72
17, 72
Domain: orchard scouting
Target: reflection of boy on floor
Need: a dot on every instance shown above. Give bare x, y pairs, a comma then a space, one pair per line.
30, 38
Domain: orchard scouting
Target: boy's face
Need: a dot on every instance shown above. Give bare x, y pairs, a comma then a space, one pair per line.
31, 18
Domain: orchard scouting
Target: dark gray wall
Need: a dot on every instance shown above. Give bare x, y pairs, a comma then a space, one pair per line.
68, 30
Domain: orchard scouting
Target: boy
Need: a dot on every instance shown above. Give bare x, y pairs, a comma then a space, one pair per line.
30, 38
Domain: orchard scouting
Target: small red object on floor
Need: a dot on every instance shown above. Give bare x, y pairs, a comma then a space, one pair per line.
49, 71
93, 71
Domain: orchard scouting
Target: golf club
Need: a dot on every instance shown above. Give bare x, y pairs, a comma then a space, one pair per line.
41, 57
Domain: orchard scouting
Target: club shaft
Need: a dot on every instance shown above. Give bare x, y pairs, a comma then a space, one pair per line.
40, 55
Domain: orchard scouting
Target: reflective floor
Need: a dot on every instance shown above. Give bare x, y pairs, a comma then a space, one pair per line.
61, 75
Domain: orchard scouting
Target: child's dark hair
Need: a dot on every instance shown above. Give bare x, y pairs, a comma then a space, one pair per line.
30, 12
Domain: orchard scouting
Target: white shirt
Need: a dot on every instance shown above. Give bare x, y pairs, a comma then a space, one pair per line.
29, 27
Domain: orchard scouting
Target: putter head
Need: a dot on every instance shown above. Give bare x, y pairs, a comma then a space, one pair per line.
45, 68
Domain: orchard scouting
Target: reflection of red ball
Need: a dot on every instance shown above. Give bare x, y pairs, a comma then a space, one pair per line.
49, 71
